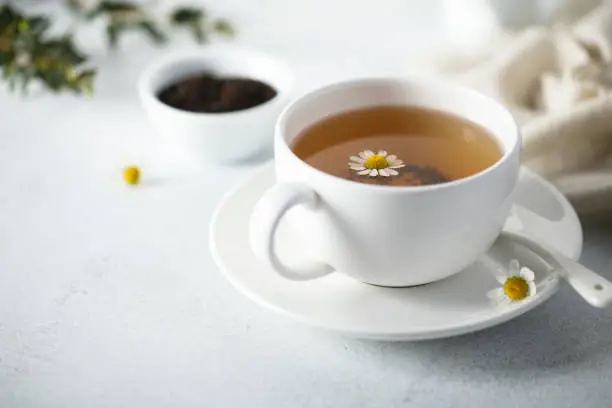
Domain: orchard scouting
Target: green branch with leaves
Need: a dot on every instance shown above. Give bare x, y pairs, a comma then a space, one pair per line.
28, 53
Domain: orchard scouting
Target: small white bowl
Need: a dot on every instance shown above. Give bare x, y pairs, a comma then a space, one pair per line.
216, 137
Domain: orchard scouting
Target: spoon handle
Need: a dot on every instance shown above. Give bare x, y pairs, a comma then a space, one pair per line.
594, 288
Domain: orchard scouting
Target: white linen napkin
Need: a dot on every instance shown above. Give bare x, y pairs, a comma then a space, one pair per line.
570, 142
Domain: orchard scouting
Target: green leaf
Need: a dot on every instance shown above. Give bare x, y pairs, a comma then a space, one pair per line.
110, 8
85, 81
7, 18
6, 47
113, 7
6, 57
187, 15
224, 27
56, 79
7, 71
153, 31
198, 32
62, 48
192, 19
38, 25
23, 25
112, 34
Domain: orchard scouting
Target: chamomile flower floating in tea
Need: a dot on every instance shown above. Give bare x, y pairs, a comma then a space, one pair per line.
517, 284
374, 164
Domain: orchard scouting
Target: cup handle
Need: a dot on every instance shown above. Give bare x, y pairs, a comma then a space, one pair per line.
265, 219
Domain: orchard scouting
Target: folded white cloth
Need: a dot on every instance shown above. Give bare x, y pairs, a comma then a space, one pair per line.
568, 132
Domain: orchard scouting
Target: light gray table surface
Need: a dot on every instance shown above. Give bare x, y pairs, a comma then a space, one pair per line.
109, 296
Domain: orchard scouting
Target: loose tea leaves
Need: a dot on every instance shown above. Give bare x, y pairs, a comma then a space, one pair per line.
207, 93
410, 175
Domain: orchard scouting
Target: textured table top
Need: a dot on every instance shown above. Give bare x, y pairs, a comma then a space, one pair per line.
109, 296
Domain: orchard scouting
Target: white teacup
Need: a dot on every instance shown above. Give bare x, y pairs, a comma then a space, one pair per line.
384, 235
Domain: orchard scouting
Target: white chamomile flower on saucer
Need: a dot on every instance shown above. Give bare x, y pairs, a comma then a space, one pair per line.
517, 284
373, 164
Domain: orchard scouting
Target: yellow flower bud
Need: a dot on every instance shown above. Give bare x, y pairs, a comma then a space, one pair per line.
131, 175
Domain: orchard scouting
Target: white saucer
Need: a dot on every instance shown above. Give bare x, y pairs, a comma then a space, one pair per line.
454, 306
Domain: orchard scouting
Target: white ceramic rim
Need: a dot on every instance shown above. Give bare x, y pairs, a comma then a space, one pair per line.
281, 124
284, 86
